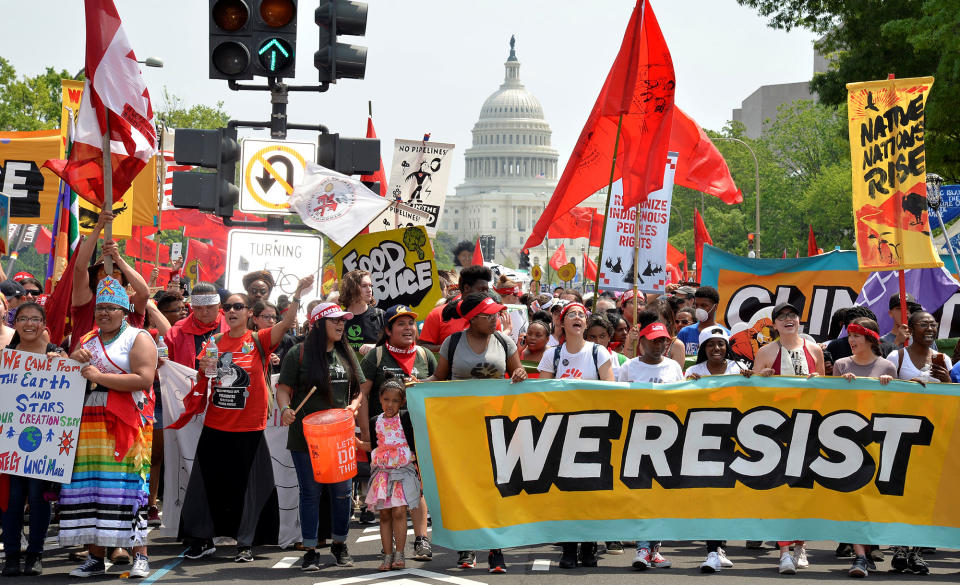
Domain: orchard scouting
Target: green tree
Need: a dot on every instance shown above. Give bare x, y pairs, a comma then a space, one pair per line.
174, 113
443, 245
30, 103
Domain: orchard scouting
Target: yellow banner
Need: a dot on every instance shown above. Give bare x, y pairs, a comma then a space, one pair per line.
723, 457
889, 173
33, 189
401, 265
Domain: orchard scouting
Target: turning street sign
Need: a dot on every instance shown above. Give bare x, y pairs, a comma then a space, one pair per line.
271, 169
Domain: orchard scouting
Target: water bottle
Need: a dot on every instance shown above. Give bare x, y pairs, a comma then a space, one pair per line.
162, 351
212, 351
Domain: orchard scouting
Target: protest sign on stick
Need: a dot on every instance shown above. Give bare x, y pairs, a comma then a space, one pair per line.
418, 178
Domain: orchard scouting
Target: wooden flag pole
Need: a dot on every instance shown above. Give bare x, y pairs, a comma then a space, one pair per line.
107, 192
636, 268
606, 211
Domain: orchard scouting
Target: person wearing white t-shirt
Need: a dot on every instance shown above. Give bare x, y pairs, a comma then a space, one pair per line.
651, 367
576, 358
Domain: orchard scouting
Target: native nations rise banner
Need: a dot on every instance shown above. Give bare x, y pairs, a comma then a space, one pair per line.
401, 266
418, 178
620, 240
725, 457
889, 173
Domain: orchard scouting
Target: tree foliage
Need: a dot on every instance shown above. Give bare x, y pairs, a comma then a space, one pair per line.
174, 113
869, 39
30, 103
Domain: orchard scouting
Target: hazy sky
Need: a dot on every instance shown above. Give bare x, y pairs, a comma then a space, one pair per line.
432, 63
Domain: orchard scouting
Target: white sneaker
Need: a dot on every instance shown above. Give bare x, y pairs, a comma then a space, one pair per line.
787, 565
800, 556
141, 566
642, 560
658, 561
712, 564
724, 561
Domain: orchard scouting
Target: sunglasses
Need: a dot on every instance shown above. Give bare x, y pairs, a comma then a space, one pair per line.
35, 293
234, 307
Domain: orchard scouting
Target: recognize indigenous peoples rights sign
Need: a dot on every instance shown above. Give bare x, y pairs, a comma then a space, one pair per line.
722, 457
41, 400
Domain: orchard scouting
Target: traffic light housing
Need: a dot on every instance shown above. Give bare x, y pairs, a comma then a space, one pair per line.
252, 38
488, 245
335, 60
212, 191
524, 260
349, 156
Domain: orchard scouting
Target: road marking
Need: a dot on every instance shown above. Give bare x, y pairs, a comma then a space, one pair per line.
285, 563
156, 575
541, 565
369, 537
439, 577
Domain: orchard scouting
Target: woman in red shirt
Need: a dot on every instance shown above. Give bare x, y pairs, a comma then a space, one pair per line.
231, 491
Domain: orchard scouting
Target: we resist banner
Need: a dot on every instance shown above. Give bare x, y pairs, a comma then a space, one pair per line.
41, 400
418, 177
401, 265
725, 457
622, 240
887, 123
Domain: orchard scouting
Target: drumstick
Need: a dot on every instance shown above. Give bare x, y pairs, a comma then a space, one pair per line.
305, 398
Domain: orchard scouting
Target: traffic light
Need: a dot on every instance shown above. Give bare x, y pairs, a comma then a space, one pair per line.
211, 191
524, 260
349, 156
488, 245
335, 60
252, 38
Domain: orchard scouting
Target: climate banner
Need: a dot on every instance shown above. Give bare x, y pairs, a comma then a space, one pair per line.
725, 457
889, 173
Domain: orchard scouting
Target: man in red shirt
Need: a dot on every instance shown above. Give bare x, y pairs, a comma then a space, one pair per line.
435, 329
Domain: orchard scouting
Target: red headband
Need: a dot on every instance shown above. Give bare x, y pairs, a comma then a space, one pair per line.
482, 307
654, 330
513, 290
567, 307
857, 328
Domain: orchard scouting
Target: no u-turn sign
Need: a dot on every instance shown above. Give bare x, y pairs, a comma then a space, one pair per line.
271, 169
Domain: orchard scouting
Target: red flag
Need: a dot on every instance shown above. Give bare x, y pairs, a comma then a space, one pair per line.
145, 268
477, 254
379, 175
43, 241
700, 237
114, 91
640, 87
559, 258
589, 267
812, 249
204, 262
58, 305
700, 165
579, 222
675, 256
145, 248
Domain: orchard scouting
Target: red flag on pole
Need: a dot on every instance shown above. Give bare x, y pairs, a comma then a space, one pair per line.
579, 222
640, 88
812, 249
477, 254
589, 268
114, 90
700, 166
700, 237
559, 258
379, 175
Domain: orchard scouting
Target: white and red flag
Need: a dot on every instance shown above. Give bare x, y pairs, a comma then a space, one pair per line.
114, 94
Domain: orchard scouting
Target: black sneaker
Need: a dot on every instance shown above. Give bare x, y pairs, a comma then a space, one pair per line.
614, 547
568, 558
198, 550
754, 544
859, 567
588, 554
844, 550
244, 555
367, 517
899, 562
311, 561
93, 566
422, 551
466, 559
32, 564
916, 564
11, 566
496, 562
341, 554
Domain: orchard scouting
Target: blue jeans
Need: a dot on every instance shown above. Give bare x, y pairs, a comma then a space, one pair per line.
23, 490
341, 502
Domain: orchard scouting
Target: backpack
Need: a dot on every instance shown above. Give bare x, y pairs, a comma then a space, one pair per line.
556, 359
455, 341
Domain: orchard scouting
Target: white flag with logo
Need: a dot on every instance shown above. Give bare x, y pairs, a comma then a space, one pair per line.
336, 205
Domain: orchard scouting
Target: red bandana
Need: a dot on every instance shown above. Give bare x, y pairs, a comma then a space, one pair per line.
404, 357
856, 328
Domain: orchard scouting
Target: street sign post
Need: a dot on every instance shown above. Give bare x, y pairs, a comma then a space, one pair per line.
271, 169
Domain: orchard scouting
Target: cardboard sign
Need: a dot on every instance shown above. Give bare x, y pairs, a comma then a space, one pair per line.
418, 178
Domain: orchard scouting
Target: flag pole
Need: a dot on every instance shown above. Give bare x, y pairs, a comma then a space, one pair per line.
636, 266
899, 232
606, 211
107, 191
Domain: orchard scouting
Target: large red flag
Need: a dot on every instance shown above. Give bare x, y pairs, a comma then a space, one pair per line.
477, 254
700, 237
579, 222
675, 256
379, 175
812, 243
58, 305
144, 248
204, 262
589, 267
700, 166
640, 87
559, 258
114, 91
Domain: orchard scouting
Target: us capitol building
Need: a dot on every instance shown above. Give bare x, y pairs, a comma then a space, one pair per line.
511, 172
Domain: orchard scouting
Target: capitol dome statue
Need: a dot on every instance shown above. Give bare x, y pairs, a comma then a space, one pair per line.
511, 171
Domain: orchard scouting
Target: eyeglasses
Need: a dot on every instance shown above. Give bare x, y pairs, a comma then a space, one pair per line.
580, 314
488, 316
33, 320
269, 317
106, 309
785, 316
683, 322
234, 307
174, 310
35, 293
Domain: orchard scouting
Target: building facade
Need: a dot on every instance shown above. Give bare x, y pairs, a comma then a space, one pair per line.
511, 171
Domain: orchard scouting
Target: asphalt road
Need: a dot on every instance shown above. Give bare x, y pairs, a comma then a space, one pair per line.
533, 564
